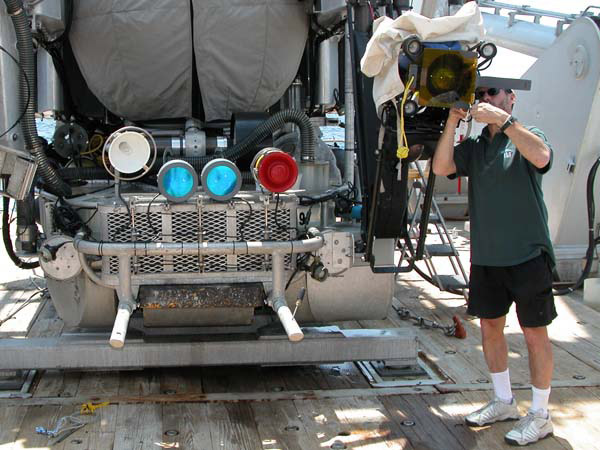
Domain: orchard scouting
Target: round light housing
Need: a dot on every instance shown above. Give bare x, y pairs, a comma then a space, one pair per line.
488, 50
412, 46
177, 180
275, 170
410, 108
221, 179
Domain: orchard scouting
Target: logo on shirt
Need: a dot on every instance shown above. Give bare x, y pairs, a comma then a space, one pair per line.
508, 153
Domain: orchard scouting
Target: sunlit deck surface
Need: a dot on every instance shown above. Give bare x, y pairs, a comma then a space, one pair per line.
311, 407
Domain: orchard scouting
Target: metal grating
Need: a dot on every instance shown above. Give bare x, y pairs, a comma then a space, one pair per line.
148, 228
214, 229
185, 228
215, 223
252, 226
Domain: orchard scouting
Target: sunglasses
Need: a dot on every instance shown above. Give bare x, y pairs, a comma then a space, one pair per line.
491, 92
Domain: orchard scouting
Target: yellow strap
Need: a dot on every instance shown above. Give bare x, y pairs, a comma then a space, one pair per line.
89, 408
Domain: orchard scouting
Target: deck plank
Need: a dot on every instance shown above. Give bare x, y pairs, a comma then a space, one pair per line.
232, 426
139, 382
21, 323
98, 384
428, 431
139, 426
280, 426
181, 380
191, 422
11, 420
370, 424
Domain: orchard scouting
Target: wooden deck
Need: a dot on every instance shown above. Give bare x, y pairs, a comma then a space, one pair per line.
330, 406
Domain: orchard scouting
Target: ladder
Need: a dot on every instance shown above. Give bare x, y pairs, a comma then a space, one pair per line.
420, 200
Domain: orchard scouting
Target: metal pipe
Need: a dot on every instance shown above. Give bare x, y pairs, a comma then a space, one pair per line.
126, 303
348, 109
526, 10
196, 248
277, 300
90, 272
524, 37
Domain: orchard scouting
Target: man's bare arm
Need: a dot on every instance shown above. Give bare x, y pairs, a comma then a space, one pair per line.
532, 147
443, 158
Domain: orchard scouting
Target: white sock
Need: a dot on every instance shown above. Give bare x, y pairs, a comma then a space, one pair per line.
540, 399
501, 382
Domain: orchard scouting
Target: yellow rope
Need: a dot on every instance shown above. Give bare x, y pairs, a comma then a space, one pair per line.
93, 148
402, 151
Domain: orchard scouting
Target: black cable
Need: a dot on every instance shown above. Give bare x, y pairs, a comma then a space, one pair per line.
25, 303
592, 242
8, 241
247, 219
28, 91
280, 227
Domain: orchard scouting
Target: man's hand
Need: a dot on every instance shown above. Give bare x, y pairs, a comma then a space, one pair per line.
455, 115
486, 113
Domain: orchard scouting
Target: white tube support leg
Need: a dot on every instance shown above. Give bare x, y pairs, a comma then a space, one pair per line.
119, 331
126, 304
278, 303
290, 325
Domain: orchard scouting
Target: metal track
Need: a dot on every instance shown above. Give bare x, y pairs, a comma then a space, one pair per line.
321, 345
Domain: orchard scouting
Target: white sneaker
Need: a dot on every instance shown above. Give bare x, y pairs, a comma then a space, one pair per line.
494, 411
531, 428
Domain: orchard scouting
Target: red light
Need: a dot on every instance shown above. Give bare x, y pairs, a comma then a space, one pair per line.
276, 170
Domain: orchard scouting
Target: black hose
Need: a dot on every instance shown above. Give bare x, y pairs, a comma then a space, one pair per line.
265, 129
8, 241
27, 85
592, 242
84, 173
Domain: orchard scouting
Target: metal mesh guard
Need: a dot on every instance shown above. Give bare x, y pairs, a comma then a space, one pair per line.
215, 224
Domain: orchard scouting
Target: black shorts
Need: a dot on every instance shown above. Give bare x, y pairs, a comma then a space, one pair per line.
493, 289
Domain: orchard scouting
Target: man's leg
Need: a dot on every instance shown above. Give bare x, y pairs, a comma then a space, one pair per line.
537, 424
494, 344
503, 406
541, 364
495, 351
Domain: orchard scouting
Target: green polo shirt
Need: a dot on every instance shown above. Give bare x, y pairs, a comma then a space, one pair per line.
509, 220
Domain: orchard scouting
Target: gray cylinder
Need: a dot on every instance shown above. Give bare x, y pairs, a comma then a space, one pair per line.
328, 72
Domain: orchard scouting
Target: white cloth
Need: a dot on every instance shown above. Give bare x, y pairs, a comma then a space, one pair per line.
381, 55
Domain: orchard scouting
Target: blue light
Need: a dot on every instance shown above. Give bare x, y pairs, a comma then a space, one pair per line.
221, 180
178, 182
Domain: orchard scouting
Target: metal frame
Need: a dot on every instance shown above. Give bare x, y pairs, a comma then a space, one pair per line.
321, 345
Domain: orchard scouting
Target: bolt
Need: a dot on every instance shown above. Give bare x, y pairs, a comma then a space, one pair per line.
408, 423
482, 380
450, 352
171, 433
579, 377
77, 441
14, 137
338, 445
292, 428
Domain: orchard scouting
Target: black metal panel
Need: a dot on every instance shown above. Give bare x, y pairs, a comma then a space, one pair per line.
366, 124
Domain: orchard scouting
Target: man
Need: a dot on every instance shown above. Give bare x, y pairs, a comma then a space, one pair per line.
511, 251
